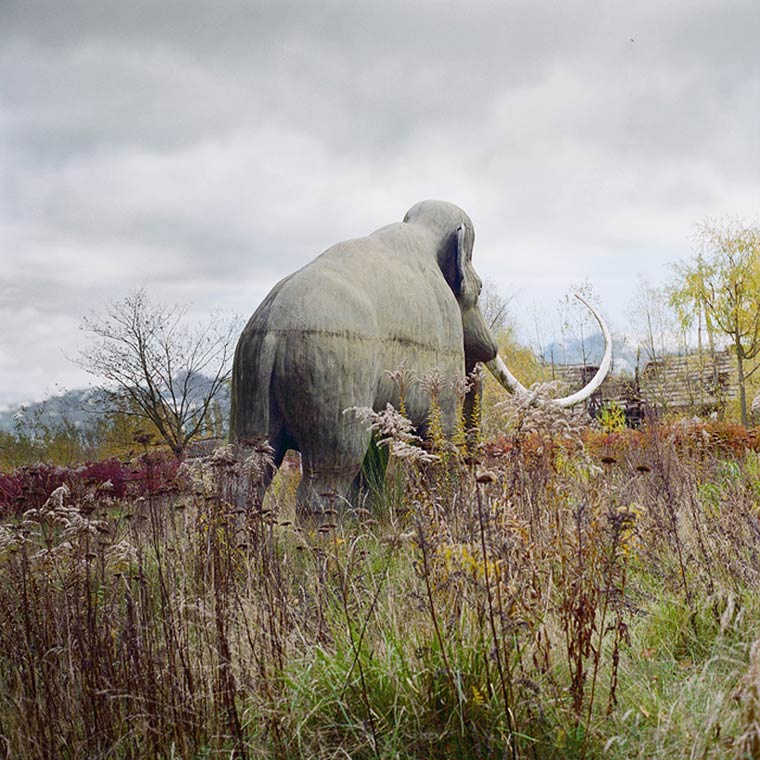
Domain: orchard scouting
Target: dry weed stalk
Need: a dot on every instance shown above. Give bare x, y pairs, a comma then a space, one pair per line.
747, 744
489, 617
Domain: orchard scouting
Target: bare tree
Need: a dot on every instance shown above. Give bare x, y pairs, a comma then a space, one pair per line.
495, 307
654, 332
577, 324
157, 365
652, 321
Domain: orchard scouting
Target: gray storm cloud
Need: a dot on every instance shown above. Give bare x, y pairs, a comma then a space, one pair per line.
205, 150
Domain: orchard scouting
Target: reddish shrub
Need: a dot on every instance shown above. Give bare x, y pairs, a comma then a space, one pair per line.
108, 471
29, 487
616, 444
155, 473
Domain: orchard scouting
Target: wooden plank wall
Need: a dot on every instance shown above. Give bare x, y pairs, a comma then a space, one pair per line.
692, 383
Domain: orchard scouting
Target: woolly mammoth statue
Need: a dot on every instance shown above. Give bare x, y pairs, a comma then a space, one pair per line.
324, 338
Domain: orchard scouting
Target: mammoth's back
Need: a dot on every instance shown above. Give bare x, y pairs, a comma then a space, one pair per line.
386, 285
362, 307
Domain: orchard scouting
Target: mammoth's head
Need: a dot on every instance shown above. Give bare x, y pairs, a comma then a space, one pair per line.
455, 234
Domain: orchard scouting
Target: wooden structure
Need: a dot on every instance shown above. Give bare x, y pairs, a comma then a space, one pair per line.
696, 383
688, 384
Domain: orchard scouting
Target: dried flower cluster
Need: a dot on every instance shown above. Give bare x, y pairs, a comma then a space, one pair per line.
395, 432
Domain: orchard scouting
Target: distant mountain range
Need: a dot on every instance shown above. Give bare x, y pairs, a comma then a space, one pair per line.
80, 407
592, 349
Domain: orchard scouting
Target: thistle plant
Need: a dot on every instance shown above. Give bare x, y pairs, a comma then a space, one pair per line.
433, 383
462, 387
404, 380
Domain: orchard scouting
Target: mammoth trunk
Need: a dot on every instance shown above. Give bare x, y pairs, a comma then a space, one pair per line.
479, 343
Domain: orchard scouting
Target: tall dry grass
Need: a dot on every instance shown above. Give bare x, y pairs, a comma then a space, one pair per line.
562, 593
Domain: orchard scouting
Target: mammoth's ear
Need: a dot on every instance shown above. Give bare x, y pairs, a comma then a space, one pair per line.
459, 255
464, 243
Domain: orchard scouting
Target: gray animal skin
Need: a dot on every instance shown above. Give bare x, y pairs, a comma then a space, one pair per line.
324, 338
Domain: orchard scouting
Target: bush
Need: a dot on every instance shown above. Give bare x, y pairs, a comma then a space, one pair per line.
28, 487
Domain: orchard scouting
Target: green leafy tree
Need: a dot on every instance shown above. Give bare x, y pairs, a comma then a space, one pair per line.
689, 299
157, 366
124, 434
722, 287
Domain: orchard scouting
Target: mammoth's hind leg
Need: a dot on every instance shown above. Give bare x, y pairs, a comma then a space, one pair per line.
335, 376
329, 472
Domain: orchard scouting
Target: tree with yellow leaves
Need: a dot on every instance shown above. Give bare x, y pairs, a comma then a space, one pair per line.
723, 285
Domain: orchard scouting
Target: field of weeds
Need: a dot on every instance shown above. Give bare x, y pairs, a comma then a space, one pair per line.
570, 595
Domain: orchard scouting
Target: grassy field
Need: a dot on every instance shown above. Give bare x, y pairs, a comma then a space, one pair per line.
572, 595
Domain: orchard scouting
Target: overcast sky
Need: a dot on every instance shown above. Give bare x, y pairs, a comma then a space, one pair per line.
206, 149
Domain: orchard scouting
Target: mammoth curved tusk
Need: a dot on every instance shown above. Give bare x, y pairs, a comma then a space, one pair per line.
499, 370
